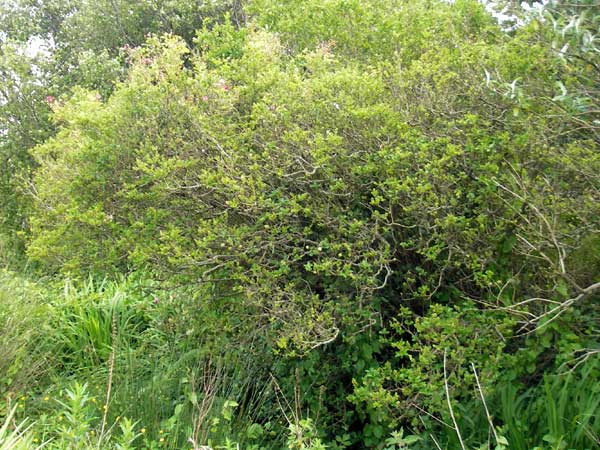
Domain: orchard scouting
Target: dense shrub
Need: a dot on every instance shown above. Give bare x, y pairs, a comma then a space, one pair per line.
391, 206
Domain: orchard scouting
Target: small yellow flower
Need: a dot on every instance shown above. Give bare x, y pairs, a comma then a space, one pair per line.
143, 430
36, 440
22, 398
46, 398
161, 432
162, 439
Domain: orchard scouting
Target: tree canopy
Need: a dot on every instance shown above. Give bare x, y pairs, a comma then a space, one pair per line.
376, 186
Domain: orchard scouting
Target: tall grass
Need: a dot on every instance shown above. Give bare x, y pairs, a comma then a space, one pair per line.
121, 369
24, 328
16, 436
561, 412
83, 324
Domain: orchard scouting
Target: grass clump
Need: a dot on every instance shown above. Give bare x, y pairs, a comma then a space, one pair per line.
25, 350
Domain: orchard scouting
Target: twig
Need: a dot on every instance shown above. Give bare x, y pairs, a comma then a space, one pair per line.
487, 412
586, 354
437, 444
462, 444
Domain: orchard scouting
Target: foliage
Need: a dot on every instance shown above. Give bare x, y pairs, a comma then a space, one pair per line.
47, 48
23, 124
174, 386
19, 438
558, 412
332, 224
24, 350
416, 374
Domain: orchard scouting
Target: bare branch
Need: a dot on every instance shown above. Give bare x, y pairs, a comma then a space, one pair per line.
462, 445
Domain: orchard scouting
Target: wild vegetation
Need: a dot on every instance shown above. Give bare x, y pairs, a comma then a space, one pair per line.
311, 224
